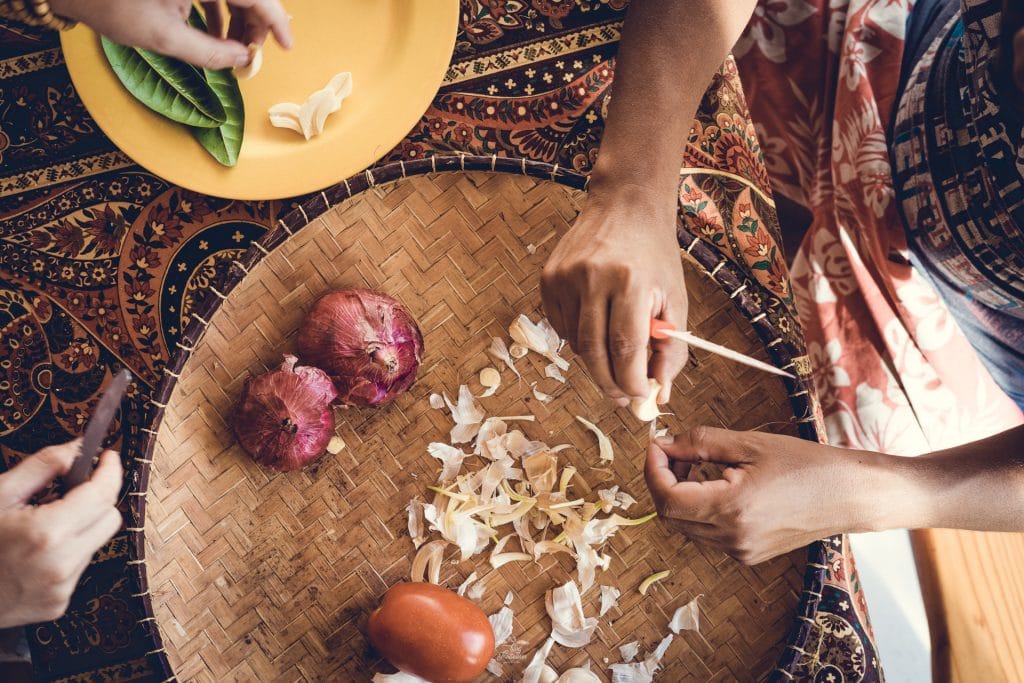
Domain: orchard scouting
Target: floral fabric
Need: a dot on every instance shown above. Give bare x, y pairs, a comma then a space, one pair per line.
893, 370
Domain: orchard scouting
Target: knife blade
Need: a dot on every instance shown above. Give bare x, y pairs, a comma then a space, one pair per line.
96, 430
662, 328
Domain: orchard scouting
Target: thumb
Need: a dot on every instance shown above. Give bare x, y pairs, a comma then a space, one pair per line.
33, 473
709, 444
203, 50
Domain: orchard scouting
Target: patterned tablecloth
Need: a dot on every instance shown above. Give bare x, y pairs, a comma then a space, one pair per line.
101, 264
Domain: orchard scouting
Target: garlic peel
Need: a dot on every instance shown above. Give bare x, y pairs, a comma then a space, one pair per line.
569, 627
604, 444
609, 599
427, 563
466, 584
501, 624
686, 618
502, 353
536, 668
629, 651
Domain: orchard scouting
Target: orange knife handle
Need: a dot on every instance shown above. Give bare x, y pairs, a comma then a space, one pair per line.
657, 326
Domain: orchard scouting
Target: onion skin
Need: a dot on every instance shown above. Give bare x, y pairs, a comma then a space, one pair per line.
284, 418
366, 341
432, 632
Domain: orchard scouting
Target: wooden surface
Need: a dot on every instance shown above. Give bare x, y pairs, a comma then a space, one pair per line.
973, 587
263, 576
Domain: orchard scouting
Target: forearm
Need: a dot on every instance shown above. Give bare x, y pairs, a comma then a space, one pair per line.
979, 485
670, 50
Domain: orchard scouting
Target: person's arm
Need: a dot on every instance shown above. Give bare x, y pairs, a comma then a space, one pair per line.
778, 493
619, 265
44, 549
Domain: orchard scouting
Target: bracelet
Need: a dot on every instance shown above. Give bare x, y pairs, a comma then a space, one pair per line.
35, 13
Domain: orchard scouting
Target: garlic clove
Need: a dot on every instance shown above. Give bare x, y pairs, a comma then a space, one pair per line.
517, 350
341, 85
306, 114
242, 73
646, 409
285, 121
335, 445
285, 109
322, 103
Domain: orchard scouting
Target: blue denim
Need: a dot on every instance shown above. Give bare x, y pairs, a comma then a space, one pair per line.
997, 337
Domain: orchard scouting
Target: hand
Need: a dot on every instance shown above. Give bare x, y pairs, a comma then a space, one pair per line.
44, 549
159, 25
616, 268
777, 492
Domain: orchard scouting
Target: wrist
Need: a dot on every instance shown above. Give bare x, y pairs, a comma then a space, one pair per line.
888, 492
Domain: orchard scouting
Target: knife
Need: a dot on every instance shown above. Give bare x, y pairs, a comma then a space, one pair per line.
96, 430
661, 329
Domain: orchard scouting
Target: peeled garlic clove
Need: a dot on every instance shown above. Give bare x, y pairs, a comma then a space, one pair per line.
285, 109
285, 115
253, 67
646, 409
341, 84
285, 121
306, 114
322, 103
335, 445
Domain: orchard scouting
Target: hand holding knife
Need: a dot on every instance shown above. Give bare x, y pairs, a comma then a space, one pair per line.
97, 428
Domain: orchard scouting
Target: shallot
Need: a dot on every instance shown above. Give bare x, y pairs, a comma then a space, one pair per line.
366, 341
284, 419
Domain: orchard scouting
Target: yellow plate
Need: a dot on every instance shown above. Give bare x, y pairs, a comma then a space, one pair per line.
397, 51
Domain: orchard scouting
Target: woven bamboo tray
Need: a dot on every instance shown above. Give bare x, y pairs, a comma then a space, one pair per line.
254, 575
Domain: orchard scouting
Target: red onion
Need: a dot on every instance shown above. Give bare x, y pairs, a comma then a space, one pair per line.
284, 420
366, 341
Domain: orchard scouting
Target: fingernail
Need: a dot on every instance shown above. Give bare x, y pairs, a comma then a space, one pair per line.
242, 59
621, 402
664, 441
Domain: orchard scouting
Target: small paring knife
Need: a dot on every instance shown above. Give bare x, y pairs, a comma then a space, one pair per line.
661, 330
99, 423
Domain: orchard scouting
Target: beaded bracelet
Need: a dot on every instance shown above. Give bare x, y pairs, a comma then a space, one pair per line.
34, 13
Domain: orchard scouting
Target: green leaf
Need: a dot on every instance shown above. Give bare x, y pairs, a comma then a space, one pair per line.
168, 86
761, 265
225, 141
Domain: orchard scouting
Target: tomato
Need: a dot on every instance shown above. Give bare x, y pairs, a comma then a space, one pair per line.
432, 632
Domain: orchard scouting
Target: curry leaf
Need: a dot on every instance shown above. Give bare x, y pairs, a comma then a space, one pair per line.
168, 86
225, 141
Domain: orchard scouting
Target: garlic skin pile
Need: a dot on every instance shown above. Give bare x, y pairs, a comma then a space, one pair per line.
308, 119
